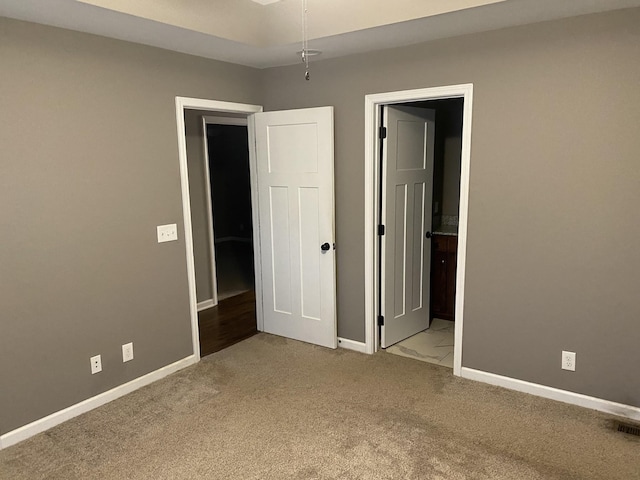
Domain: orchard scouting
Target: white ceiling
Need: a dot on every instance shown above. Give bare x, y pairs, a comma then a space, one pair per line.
266, 33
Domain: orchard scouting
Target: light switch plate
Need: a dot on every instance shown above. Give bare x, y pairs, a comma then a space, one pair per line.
167, 233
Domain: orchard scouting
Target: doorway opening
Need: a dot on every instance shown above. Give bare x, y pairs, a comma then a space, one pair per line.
419, 206
431, 262
216, 325
231, 317
227, 178
291, 184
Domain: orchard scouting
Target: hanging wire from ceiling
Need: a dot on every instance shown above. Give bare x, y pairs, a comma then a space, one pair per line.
305, 39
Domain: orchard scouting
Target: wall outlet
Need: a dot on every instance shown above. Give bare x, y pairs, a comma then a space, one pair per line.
167, 233
96, 364
569, 361
127, 352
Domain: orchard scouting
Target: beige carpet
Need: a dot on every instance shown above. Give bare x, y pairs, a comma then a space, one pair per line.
270, 408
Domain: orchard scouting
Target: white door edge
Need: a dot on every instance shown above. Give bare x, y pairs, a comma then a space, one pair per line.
217, 108
255, 214
373, 103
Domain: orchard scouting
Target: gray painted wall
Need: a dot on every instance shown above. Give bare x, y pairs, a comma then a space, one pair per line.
89, 167
552, 255
451, 176
447, 157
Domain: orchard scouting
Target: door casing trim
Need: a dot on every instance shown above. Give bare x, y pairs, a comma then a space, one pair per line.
373, 103
217, 108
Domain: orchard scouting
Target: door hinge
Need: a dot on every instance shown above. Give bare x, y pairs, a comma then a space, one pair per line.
383, 132
381, 320
380, 230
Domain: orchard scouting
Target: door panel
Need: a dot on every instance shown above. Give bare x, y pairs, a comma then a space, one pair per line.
407, 196
417, 271
399, 251
280, 249
310, 238
294, 152
299, 141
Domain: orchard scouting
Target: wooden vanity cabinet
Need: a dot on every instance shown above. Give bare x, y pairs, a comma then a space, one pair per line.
443, 276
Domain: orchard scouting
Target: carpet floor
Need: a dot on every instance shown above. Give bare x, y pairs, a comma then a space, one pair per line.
272, 408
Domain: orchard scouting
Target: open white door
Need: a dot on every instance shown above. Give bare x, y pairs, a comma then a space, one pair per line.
294, 153
407, 194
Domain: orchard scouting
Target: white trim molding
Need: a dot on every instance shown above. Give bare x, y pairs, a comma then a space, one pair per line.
373, 104
352, 345
50, 421
239, 121
552, 393
206, 304
211, 233
217, 108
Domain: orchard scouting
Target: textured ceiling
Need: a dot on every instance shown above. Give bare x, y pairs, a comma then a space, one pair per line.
262, 34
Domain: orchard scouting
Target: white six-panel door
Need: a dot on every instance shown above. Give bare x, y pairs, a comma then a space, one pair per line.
294, 153
407, 195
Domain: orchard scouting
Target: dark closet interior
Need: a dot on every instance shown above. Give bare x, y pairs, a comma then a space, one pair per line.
234, 317
231, 200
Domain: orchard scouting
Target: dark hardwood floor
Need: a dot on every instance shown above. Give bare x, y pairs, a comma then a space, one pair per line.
229, 322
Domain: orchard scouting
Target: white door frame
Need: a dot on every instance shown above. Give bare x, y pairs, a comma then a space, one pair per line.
373, 104
211, 120
217, 108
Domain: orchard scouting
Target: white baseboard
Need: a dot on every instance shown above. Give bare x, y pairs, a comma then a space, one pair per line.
68, 413
206, 304
565, 396
352, 345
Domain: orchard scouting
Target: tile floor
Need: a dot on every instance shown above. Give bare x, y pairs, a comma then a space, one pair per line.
434, 345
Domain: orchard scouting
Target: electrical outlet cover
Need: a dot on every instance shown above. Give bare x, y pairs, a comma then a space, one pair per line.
127, 352
569, 361
96, 364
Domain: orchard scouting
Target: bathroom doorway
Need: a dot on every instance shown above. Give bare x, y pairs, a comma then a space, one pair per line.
375, 308
428, 176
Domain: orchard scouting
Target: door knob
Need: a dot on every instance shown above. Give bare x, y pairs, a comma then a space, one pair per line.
325, 246
428, 235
